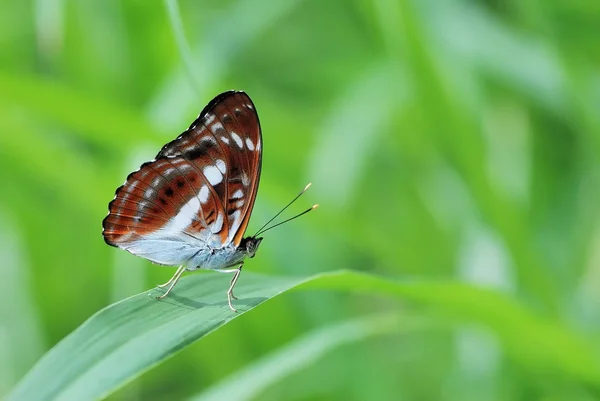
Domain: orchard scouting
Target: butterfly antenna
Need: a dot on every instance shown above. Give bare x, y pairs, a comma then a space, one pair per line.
313, 207
262, 229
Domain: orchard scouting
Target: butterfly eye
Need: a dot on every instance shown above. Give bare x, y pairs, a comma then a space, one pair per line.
252, 244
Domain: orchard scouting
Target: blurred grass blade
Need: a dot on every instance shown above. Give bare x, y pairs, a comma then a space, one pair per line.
129, 337
351, 136
99, 121
174, 14
21, 340
534, 342
466, 31
213, 53
249, 382
83, 186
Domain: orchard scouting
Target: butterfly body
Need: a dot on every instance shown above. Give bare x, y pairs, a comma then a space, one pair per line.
195, 254
190, 206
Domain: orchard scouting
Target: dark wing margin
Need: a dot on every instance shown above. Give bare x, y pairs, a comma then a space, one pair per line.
246, 124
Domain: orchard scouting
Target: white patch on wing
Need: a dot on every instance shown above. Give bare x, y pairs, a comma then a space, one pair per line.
183, 166
184, 217
225, 139
249, 144
218, 224
258, 145
236, 220
125, 238
213, 175
221, 166
237, 194
128, 189
237, 140
209, 118
203, 194
158, 248
215, 127
240, 203
208, 138
249, 106
148, 192
245, 179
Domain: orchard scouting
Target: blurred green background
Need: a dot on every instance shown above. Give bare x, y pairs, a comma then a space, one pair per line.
445, 140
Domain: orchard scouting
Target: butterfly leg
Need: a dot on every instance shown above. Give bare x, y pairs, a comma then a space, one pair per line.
173, 281
177, 273
233, 281
236, 274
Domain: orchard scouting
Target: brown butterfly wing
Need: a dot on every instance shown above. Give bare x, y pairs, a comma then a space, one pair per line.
228, 129
168, 198
201, 187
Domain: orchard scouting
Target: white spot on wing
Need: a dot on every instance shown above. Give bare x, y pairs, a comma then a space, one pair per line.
184, 217
225, 139
203, 194
245, 179
236, 218
249, 144
213, 175
141, 206
215, 127
148, 192
128, 190
237, 194
209, 118
218, 224
182, 165
221, 166
237, 139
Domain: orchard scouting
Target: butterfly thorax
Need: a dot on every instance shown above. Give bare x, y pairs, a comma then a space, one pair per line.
221, 258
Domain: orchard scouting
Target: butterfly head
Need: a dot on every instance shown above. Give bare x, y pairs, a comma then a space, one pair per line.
250, 245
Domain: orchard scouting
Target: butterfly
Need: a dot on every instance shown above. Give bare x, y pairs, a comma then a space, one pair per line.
190, 206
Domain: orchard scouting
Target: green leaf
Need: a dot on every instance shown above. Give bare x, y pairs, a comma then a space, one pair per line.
129, 337
125, 339
248, 382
